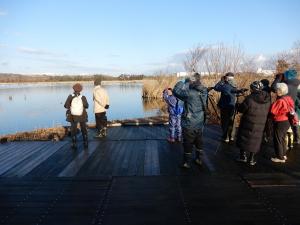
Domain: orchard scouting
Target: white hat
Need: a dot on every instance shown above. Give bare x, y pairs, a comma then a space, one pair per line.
281, 89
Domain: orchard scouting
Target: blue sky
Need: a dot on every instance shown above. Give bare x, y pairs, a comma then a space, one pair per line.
136, 36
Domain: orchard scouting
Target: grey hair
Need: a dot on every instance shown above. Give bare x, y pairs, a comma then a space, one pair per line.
281, 89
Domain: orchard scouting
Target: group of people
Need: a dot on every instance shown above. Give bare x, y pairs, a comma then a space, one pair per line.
258, 114
76, 105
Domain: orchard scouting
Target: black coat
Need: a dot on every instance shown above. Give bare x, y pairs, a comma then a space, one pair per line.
71, 118
255, 109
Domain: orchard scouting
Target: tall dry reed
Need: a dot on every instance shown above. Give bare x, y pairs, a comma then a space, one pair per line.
153, 89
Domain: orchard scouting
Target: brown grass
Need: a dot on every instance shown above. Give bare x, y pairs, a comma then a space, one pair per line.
153, 89
54, 134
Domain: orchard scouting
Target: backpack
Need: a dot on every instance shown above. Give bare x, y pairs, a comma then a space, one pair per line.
178, 107
76, 106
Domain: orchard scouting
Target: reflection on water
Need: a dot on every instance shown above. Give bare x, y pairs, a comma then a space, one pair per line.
152, 105
31, 106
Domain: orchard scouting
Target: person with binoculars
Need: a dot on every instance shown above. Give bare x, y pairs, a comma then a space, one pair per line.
227, 104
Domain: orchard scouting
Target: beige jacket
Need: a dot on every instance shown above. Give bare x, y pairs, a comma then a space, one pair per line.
100, 98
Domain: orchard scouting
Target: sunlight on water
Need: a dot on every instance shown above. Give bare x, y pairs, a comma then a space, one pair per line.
25, 107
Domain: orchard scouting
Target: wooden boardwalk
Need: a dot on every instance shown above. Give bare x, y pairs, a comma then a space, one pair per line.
132, 177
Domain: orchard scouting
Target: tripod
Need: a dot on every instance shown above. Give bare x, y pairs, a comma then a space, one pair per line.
213, 103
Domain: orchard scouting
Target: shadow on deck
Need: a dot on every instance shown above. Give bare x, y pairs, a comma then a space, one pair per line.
132, 177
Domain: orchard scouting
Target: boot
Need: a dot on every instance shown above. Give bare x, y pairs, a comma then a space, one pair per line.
85, 141
74, 144
243, 156
198, 160
252, 161
187, 158
104, 132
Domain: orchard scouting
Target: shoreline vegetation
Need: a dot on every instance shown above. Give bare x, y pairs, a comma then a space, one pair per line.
60, 132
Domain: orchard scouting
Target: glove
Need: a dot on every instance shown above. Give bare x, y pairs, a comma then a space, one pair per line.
244, 89
106, 107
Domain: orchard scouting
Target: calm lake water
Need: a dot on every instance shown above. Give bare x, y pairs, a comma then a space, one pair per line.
24, 107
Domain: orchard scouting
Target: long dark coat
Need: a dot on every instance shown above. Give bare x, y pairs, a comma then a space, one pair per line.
255, 109
83, 117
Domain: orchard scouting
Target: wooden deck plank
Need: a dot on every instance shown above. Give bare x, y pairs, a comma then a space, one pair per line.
34, 160
19, 156
57, 162
73, 168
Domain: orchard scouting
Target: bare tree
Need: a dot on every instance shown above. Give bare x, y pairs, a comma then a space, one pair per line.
193, 58
220, 59
248, 65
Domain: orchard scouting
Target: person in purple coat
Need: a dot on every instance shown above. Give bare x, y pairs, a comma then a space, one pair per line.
175, 110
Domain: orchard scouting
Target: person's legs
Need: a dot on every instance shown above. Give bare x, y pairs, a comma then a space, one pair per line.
84, 134
231, 126
188, 139
224, 122
172, 128
199, 146
178, 128
98, 121
101, 123
280, 130
73, 134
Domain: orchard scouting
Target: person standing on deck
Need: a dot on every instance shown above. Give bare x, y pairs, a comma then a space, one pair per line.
228, 90
279, 110
289, 77
175, 110
255, 109
101, 104
76, 105
194, 96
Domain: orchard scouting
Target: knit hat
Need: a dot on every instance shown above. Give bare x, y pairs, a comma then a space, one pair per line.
256, 86
281, 89
290, 74
77, 87
195, 77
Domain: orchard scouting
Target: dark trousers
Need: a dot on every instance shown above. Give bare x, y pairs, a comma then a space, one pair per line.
101, 120
82, 128
280, 129
192, 137
227, 120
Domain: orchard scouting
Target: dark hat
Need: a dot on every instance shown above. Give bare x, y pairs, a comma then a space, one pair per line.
77, 87
256, 86
265, 82
195, 77
97, 82
229, 74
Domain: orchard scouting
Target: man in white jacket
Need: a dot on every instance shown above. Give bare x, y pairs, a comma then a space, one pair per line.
101, 104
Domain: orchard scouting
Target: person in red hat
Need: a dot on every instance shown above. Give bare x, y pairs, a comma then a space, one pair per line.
76, 105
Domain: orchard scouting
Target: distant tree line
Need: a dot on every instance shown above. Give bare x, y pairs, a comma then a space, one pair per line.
17, 78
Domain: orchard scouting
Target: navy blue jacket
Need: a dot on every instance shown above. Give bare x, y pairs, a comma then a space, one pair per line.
195, 102
228, 94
